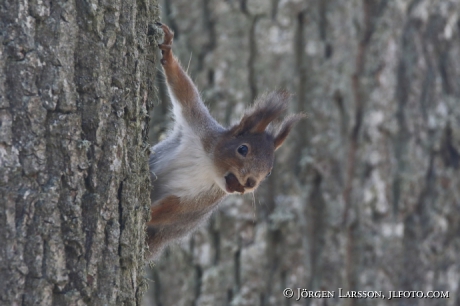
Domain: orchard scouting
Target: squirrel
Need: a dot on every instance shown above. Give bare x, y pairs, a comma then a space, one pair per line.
200, 162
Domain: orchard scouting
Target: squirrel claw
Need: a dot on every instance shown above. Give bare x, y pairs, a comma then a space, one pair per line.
169, 35
166, 46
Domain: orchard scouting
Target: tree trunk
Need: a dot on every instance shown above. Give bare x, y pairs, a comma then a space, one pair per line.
75, 90
366, 195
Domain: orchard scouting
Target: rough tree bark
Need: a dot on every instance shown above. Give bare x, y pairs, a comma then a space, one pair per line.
75, 88
366, 195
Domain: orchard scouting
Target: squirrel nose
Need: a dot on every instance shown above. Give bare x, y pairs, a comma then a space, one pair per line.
250, 183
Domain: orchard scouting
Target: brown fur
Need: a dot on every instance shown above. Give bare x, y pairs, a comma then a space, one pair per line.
201, 162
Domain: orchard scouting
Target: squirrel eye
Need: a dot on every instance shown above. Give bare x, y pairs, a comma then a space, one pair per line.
269, 174
243, 150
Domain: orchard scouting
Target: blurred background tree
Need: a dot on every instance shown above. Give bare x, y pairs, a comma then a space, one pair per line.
366, 193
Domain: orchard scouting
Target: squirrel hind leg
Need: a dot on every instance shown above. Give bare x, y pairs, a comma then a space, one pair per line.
155, 242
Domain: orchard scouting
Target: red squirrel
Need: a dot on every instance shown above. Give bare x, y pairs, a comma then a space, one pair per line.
201, 162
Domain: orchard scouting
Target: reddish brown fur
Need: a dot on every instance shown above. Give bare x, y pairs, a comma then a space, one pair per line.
285, 128
177, 79
179, 201
166, 212
267, 108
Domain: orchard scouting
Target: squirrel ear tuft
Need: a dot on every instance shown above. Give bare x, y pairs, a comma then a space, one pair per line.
285, 128
266, 109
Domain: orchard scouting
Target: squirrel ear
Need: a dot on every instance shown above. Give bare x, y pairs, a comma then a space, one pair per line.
285, 128
267, 108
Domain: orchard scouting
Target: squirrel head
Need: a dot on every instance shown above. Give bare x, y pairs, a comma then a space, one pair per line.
244, 155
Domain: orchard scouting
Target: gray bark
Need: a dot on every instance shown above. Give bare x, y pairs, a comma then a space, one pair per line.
75, 88
365, 195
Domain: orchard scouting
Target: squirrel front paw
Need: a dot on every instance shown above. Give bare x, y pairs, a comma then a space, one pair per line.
166, 46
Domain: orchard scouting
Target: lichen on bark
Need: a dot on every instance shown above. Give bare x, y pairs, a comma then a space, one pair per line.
76, 84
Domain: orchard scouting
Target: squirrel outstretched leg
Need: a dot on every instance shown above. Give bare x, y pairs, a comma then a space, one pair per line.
183, 92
